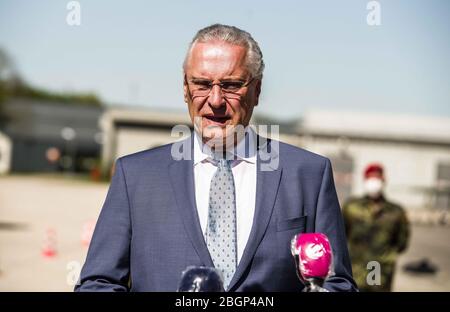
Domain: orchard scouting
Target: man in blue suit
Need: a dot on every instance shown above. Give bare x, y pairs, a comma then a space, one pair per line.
224, 197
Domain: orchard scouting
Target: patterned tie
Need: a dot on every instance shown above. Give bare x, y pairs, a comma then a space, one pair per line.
221, 229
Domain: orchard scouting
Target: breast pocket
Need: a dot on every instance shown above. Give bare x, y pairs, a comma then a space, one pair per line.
298, 223
286, 229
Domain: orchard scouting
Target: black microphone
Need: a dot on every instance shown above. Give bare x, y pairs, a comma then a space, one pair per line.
201, 279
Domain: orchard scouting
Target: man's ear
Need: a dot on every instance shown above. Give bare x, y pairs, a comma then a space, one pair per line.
258, 91
185, 90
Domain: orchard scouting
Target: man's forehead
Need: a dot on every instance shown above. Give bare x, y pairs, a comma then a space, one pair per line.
217, 56
217, 48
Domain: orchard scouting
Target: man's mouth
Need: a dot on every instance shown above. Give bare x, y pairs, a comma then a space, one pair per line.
217, 119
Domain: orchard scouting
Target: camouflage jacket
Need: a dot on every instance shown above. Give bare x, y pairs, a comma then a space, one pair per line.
376, 231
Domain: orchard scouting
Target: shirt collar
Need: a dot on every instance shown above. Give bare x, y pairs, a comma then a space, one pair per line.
245, 150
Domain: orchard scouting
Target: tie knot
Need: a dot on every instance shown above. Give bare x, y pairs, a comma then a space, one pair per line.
222, 163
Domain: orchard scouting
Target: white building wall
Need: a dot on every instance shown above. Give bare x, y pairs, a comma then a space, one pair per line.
131, 140
411, 169
123, 140
5, 154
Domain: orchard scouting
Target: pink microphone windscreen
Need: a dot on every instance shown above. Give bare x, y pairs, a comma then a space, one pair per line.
314, 254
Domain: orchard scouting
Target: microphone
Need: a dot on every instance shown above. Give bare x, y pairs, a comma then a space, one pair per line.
201, 279
313, 259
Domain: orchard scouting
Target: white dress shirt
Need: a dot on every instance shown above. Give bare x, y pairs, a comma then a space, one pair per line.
244, 172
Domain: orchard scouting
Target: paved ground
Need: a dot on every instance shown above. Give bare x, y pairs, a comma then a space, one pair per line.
430, 242
29, 205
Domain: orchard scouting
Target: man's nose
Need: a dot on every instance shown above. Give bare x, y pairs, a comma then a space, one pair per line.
216, 98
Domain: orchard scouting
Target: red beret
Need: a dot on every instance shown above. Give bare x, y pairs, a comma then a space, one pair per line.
374, 167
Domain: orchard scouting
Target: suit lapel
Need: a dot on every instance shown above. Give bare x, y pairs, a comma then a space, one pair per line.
267, 183
182, 179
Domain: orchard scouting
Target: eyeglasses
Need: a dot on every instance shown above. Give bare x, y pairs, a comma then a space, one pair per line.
230, 88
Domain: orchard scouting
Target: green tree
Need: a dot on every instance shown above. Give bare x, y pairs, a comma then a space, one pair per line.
12, 85
7, 72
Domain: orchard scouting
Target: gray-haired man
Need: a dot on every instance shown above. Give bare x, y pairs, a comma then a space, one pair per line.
217, 208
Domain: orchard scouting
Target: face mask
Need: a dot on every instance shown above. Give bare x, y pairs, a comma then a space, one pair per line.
373, 187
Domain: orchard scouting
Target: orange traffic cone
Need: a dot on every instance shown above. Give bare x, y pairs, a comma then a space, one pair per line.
87, 232
49, 246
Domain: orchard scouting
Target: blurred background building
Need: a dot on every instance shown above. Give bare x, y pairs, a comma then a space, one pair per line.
50, 136
5, 153
414, 150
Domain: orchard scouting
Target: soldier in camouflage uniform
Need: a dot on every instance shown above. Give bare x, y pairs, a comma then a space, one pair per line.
377, 230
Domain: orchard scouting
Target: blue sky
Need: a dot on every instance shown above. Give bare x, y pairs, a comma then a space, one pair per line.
318, 54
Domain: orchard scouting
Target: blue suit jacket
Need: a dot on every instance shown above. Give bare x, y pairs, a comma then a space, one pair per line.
148, 231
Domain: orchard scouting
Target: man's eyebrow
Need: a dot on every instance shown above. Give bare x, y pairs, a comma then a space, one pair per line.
200, 78
233, 79
223, 79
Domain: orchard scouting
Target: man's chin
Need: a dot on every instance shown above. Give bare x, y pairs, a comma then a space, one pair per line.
214, 137
221, 137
